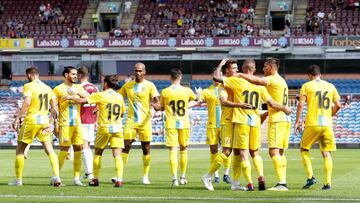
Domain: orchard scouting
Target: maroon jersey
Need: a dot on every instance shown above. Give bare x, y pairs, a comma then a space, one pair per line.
87, 110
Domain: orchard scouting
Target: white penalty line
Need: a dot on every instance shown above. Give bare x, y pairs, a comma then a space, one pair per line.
178, 198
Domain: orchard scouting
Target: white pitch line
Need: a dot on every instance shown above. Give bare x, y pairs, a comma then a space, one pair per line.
178, 198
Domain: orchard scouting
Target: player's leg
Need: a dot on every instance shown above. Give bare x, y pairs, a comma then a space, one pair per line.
309, 137
25, 137
96, 166
101, 141
183, 140
212, 139
27, 151
77, 143
129, 138
64, 144
236, 166
285, 132
242, 136
19, 164
327, 145
172, 143
274, 141
213, 154
45, 138
226, 133
255, 144
116, 144
145, 146
145, 135
88, 134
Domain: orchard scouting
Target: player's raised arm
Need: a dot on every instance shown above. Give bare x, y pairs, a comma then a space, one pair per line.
217, 76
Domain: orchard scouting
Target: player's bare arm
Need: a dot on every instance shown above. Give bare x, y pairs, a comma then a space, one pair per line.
253, 79
217, 76
155, 103
53, 123
299, 110
279, 107
227, 103
336, 107
264, 116
23, 110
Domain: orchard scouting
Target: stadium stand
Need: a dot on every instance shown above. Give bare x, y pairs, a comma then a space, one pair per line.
192, 19
329, 18
26, 19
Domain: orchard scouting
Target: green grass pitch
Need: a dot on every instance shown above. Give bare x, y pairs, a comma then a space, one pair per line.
346, 179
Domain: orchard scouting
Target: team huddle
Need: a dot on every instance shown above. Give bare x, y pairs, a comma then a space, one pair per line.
73, 112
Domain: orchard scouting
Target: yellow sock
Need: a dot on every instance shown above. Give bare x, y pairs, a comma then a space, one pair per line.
146, 164
125, 157
328, 166
173, 162
305, 155
284, 165
246, 169
227, 164
212, 157
54, 164
277, 166
259, 166
62, 157
183, 162
19, 166
97, 165
119, 167
236, 167
77, 162
219, 160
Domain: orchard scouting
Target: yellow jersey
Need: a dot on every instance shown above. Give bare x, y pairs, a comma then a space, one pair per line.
226, 112
69, 112
211, 97
279, 92
175, 100
139, 96
111, 107
320, 96
41, 94
246, 92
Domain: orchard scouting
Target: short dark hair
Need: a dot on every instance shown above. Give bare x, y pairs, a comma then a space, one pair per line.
32, 70
273, 60
313, 70
84, 71
111, 81
67, 69
175, 73
227, 64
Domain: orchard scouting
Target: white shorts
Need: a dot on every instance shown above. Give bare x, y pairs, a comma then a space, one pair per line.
88, 131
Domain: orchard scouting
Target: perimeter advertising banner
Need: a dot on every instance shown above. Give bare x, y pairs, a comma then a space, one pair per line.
180, 42
16, 43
